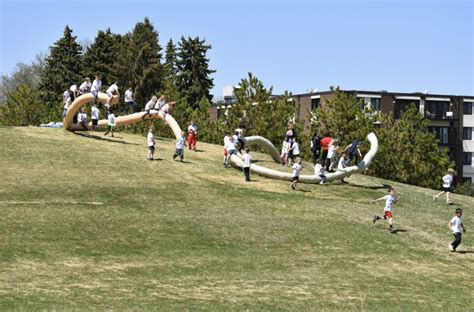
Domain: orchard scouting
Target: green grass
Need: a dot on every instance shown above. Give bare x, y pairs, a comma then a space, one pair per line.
90, 224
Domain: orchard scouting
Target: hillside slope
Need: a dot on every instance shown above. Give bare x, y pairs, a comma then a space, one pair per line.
87, 222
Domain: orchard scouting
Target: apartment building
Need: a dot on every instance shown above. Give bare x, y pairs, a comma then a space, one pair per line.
451, 117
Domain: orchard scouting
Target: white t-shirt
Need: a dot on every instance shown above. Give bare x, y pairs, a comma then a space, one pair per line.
247, 160
112, 88
149, 105
68, 103
296, 148
165, 108
340, 164
389, 201
456, 224
66, 95
111, 120
85, 86
82, 117
447, 180
96, 85
192, 128
180, 142
150, 139
226, 141
230, 145
296, 169
331, 151
318, 170
95, 112
128, 96
73, 88
159, 104
285, 147
238, 132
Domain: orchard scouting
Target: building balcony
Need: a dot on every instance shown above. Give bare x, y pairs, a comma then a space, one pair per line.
439, 115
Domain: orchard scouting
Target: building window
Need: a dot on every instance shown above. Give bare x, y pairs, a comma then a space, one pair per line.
401, 105
467, 158
375, 104
442, 134
436, 109
314, 104
467, 133
467, 180
467, 108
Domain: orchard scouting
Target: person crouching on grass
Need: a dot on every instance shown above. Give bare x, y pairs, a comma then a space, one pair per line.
455, 225
297, 166
447, 181
390, 199
180, 144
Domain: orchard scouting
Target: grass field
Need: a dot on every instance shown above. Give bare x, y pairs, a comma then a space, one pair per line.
88, 223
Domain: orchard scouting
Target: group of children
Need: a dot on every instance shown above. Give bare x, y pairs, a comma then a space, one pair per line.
179, 146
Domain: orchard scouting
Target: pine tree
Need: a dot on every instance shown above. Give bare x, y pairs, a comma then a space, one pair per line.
170, 61
23, 108
193, 79
101, 57
62, 69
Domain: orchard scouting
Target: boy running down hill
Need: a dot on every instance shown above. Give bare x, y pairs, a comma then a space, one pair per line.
390, 199
455, 225
447, 181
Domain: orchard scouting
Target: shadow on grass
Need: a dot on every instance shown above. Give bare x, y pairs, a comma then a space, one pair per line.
155, 159
374, 187
303, 190
395, 231
99, 138
465, 252
184, 161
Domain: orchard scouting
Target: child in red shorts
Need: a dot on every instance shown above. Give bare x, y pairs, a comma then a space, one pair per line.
390, 199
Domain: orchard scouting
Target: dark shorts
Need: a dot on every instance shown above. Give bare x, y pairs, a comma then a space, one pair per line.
447, 189
151, 148
179, 151
232, 152
95, 122
295, 179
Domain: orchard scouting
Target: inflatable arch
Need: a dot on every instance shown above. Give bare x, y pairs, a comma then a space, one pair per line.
121, 120
236, 161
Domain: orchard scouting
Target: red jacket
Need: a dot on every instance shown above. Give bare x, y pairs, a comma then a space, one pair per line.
325, 143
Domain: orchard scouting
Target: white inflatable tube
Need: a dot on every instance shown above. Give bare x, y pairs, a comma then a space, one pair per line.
236, 161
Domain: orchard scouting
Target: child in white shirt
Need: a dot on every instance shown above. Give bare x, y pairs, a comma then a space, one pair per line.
180, 144
67, 104
82, 119
390, 199
455, 225
247, 159
110, 123
85, 87
297, 166
95, 89
295, 149
447, 181
226, 141
230, 147
285, 147
149, 106
95, 112
150, 139
319, 171
341, 165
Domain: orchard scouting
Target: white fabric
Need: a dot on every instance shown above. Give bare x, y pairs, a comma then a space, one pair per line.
389, 201
159, 104
226, 140
149, 105
68, 103
296, 148
285, 147
82, 117
96, 85
239, 132
447, 180
66, 95
95, 112
86, 85
111, 120
296, 169
340, 164
230, 145
247, 159
180, 142
112, 88
128, 96
192, 128
73, 88
331, 151
150, 139
456, 224
165, 108
318, 169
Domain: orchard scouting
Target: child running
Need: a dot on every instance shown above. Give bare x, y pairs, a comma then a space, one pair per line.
247, 162
390, 199
150, 139
455, 226
180, 144
447, 181
297, 166
110, 123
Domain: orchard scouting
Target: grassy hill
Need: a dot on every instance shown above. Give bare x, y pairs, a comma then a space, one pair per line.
88, 223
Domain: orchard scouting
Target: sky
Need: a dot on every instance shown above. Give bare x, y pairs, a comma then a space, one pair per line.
398, 46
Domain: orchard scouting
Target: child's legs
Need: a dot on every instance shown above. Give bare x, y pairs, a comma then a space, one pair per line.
457, 240
441, 193
447, 196
181, 154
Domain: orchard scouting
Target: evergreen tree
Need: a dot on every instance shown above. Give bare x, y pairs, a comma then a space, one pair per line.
408, 152
23, 108
193, 79
170, 61
101, 57
62, 69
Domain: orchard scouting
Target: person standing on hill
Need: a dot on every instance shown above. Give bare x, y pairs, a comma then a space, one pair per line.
110, 123
297, 166
180, 144
95, 89
447, 182
192, 136
285, 148
455, 225
247, 159
95, 112
150, 139
390, 199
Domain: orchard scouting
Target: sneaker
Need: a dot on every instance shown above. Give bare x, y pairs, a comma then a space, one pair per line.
293, 187
375, 219
434, 198
450, 247
449, 202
